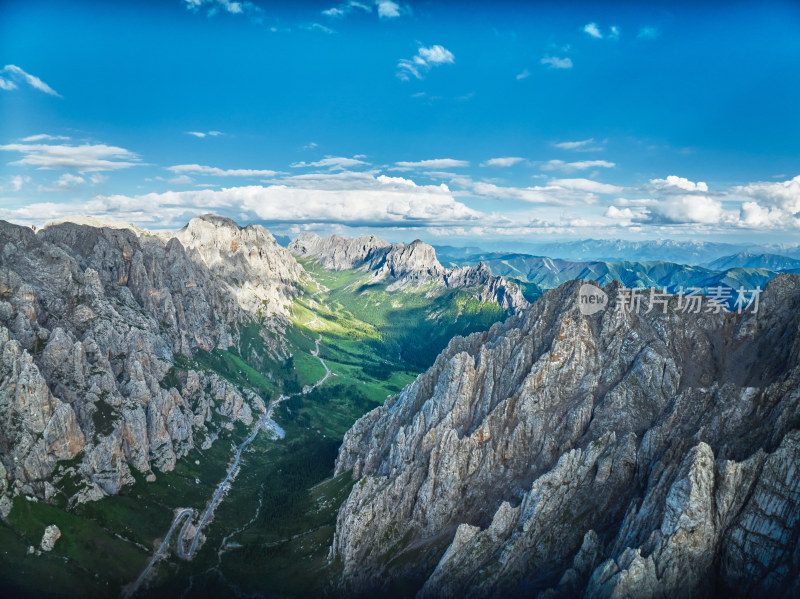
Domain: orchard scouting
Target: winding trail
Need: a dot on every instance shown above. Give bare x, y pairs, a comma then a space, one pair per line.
160, 552
223, 486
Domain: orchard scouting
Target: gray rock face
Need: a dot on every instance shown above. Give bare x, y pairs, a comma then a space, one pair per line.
91, 317
51, 534
261, 274
402, 266
339, 253
614, 455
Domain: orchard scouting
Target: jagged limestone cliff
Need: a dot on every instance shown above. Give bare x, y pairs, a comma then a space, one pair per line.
92, 316
401, 266
620, 454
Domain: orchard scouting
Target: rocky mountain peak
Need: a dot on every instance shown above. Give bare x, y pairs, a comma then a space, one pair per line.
402, 265
91, 318
339, 253
624, 453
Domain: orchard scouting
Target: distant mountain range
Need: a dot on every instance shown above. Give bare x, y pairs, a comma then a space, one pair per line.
774, 262
681, 252
548, 273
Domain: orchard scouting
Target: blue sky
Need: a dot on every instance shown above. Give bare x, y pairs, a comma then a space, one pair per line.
453, 122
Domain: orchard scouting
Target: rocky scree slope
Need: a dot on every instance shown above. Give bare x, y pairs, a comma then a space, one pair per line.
403, 266
615, 455
91, 319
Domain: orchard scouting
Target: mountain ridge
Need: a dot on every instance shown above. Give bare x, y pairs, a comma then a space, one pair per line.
531, 459
401, 266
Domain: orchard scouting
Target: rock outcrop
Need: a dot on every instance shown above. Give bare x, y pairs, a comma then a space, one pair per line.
400, 266
92, 316
51, 534
623, 454
340, 253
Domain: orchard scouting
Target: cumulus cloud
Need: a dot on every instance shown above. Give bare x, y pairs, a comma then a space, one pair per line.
11, 75
202, 134
83, 158
673, 182
424, 61
784, 195
557, 63
503, 162
679, 201
333, 162
687, 209
436, 163
623, 217
584, 145
561, 165
378, 201
592, 30
388, 9
523, 75
185, 169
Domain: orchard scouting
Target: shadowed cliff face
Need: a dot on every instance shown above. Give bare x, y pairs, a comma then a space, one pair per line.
402, 266
614, 455
91, 318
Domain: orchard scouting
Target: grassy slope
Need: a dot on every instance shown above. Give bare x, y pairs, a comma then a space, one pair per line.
280, 514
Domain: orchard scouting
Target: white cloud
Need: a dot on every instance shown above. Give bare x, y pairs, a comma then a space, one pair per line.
378, 201
587, 185
181, 180
333, 162
557, 63
346, 8
202, 134
593, 30
45, 137
84, 158
560, 165
183, 169
784, 195
309, 146
319, 27
436, 163
675, 182
424, 61
69, 182
388, 9
752, 214
613, 32
65, 182
18, 181
648, 33
523, 75
13, 75
584, 145
503, 162
215, 6
688, 209
623, 217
